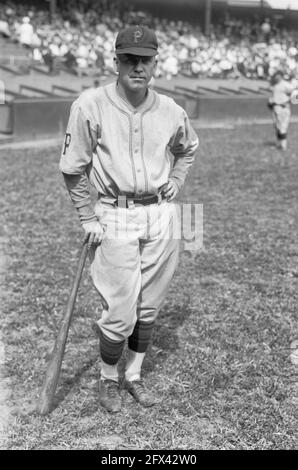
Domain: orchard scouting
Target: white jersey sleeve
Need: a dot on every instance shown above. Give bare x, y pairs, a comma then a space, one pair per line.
79, 141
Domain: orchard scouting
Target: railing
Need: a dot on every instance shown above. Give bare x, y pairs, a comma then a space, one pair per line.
15, 60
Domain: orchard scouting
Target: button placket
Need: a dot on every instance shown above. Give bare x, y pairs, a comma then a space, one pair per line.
137, 151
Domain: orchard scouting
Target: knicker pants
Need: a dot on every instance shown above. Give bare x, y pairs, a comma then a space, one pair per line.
133, 266
281, 119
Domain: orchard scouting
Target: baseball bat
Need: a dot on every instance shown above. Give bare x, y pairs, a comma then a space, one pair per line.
51, 378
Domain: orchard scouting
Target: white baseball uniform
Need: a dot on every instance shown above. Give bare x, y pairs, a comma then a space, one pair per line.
281, 111
129, 153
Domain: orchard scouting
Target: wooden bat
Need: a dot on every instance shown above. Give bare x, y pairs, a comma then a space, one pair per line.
50, 382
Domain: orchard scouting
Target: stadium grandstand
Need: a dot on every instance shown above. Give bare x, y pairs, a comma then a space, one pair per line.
78, 35
217, 48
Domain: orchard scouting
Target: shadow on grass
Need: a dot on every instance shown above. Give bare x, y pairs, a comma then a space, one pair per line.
165, 341
165, 338
67, 383
270, 143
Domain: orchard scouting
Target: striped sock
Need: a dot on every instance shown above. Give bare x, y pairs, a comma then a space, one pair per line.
140, 337
110, 350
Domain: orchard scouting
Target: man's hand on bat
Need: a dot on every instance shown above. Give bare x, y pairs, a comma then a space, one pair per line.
94, 232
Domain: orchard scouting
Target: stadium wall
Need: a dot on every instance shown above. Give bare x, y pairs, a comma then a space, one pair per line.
31, 118
44, 117
6, 125
232, 109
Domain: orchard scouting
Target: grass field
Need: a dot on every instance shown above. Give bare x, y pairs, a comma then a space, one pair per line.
220, 358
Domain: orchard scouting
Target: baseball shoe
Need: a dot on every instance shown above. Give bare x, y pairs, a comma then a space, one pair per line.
109, 395
138, 390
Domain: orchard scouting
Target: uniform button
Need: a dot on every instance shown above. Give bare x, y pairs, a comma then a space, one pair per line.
136, 130
136, 150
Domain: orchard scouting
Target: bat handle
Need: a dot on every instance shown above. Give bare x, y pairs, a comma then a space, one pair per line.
86, 238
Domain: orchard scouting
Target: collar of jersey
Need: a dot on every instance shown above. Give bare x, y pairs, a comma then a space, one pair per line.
114, 95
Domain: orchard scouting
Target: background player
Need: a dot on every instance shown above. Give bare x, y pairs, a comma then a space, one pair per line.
280, 104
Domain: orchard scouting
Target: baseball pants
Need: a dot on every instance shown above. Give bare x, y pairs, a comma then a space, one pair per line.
133, 266
281, 119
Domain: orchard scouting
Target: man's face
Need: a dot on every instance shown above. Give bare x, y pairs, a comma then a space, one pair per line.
135, 71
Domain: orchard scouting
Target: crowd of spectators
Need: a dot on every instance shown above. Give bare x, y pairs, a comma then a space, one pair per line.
82, 35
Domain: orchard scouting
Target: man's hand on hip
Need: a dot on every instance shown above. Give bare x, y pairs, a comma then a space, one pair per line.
170, 190
94, 231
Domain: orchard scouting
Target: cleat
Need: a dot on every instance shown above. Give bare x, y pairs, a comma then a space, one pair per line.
138, 390
109, 395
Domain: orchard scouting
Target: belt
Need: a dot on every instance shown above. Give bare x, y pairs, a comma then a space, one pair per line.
124, 201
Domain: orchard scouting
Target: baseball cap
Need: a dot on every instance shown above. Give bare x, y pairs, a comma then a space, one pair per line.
136, 40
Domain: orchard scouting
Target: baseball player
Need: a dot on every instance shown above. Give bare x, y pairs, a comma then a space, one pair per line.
280, 105
135, 147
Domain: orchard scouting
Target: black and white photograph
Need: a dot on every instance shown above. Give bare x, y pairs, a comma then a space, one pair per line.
149, 229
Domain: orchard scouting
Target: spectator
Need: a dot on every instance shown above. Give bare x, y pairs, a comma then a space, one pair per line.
26, 32
266, 27
4, 28
234, 47
70, 60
